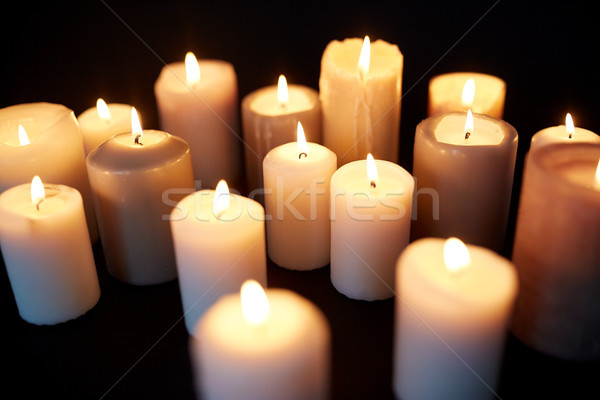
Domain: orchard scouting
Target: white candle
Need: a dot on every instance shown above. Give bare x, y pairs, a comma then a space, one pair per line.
370, 226
259, 347
200, 105
361, 104
270, 116
47, 252
567, 133
99, 123
54, 151
296, 181
452, 310
464, 178
219, 243
137, 178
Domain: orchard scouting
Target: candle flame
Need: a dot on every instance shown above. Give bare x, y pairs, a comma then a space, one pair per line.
255, 305
38, 193
569, 126
468, 93
301, 140
364, 60
456, 255
221, 199
469, 124
372, 171
102, 110
282, 91
597, 180
192, 68
23, 138
136, 126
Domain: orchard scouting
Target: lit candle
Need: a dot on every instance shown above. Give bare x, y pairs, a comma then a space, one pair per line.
270, 116
219, 242
296, 181
261, 346
360, 88
47, 252
50, 147
459, 91
463, 166
102, 122
556, 251
198, 101
370, 226
137, 178
453, 306
567, 133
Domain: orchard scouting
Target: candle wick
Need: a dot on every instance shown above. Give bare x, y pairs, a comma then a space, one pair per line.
373, 185
302, 154
570, 136
37, 206
137, 140
467, 135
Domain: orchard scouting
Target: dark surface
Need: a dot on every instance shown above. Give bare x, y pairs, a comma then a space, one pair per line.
133, 344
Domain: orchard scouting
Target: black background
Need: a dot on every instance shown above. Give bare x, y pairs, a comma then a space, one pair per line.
134, 342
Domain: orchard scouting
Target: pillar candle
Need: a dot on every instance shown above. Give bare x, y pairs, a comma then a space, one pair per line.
446, 90
262, 347
136, 179
453, 307
219, 243
269, 118
556, 251
361, 103
54, 151
202, 108
567, 133
47, 252
102, 122
464, 184
296, 181
370, 226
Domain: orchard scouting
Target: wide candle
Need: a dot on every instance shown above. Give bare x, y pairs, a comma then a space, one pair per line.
137, 178
453, 306
198, 101
269, 118
370, 226
262, 346
219, 242
360, 88
296, 181
99, 123
567, 133
463, 165
47, 252
556, 251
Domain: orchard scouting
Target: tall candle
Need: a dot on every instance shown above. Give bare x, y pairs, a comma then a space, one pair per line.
361, 101
370, 226
47, 252
219, 243
556, 251
262, 346
567, 133
296, 181
200, 105
453, 306
464, 178
99, 123
270, 116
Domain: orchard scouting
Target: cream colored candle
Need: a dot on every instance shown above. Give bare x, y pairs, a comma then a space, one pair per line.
556, 251
262, 347
219, 243
53, 150
464, 184
270, 116
361, 101
200, 105
567, 133
296, 181
99, 123
453, 307
446, 94
136, 179
47, 252
370, 226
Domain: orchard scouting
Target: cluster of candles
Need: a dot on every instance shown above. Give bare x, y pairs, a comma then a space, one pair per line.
345, 203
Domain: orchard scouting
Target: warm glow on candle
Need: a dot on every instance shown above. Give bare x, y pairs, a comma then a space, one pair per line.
255, 305
221, 200
23, 138
469, 124
282, 91
301, 140
456, 255
37, 191
102, 110
192, 68
468, 93
364, 60
136, 127
372, 171
569, 126
597, 180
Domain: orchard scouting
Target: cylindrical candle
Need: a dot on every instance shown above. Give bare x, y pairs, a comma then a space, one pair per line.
464, 184
47, 253
97, 125
567, 133
370, 226
451, 321
556, 251
361, 103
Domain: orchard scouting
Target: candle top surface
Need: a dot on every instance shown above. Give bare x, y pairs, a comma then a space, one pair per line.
485, 132
448, 88
213, 74
385, 58
58, 199
392, 179
559, 134
286, 159
120, 116
264, 101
